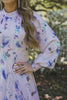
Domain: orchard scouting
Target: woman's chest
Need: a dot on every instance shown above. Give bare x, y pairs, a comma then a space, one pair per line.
11, 32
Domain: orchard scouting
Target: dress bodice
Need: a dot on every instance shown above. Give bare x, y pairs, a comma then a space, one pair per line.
12, 45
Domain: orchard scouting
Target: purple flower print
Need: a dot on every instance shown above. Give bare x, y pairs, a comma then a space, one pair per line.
45, 39
34, 17
18, 44
5, 98
27, 78
18, 27
16, 85
57, 50
4, 74
2, 61
0, 32
15, 58
54, 34
49, 63
15, 36
33, 93
1, 21
6, 18
14, 52
5, 41
5, 26
20, 97
16, 96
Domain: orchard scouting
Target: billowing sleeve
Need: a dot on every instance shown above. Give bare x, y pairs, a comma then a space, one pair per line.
48, 42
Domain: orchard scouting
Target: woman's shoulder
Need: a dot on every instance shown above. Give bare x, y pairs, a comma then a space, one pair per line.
37, 16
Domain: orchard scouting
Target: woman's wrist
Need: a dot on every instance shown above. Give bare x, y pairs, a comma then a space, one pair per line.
36, 67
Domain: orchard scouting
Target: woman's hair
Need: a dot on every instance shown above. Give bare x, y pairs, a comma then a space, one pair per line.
26, 14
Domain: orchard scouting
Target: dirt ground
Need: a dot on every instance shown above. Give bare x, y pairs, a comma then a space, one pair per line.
52, 85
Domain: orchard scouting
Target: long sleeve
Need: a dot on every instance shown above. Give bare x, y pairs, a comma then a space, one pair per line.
48, 42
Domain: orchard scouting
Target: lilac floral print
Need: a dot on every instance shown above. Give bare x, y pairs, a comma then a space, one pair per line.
14, 49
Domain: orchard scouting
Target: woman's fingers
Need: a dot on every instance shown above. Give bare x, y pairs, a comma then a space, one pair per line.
19, 64
23, 72
19, 70
22, 69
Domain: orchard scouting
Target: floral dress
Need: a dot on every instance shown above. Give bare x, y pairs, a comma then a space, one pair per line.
14, 49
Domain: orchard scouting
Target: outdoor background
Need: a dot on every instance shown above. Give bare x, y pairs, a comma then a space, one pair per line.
52, 84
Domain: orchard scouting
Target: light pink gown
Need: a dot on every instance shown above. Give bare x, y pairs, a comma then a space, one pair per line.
13, 49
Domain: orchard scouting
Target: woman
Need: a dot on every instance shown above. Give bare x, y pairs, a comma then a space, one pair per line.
21, 27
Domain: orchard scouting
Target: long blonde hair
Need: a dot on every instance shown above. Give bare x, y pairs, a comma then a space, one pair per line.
26, 14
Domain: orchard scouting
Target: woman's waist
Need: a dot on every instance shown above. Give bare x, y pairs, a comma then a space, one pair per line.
12, 59
10, 64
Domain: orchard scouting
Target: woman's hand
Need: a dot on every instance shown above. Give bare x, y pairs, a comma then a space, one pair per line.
22, 68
